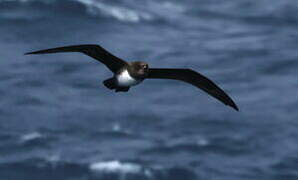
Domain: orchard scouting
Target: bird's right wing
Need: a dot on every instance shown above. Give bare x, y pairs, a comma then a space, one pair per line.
95, 51
194, 78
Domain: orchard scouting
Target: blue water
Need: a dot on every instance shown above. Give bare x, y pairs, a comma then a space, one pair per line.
57, 120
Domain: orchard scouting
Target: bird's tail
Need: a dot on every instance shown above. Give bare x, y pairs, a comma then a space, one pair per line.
110, 83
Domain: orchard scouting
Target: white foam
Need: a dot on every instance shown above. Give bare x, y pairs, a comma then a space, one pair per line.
22, 1
120, 13
116, 127
53, 158
31, 136
174, 7
116, 167
202, 142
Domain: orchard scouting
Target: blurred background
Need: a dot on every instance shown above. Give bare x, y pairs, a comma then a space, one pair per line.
57, 120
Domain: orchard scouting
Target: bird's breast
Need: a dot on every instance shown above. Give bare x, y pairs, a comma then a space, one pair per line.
124, 79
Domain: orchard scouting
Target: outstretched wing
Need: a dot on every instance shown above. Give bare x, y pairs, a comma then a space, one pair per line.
194, 78
95, 51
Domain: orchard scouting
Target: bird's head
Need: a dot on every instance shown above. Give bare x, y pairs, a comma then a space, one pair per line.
139, 68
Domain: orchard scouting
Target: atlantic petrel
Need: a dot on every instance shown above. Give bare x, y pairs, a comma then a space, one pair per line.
128, 74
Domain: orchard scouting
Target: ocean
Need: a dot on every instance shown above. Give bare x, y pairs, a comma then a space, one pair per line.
58, 121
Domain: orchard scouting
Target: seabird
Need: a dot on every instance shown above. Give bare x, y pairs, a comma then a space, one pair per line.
128, 74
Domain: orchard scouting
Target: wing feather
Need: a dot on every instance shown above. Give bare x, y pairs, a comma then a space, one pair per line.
194, 78
95, 51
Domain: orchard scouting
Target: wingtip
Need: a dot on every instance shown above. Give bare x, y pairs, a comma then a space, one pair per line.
234, 106
28, 53
34, 52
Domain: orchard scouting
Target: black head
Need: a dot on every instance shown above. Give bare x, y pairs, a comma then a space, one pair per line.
139, 69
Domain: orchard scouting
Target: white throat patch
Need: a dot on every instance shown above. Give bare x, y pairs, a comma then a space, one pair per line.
125, 80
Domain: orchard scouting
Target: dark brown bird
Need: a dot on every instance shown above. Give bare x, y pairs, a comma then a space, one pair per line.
127, 74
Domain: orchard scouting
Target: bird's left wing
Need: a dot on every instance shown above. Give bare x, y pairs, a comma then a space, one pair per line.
194, 78
95, 51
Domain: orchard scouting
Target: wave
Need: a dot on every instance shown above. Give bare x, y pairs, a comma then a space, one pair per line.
37, 9
38, 168
119, 13
34, 139
116, 167
30, 137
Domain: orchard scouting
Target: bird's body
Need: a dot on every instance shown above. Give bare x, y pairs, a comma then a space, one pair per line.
124, 79
128, 74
